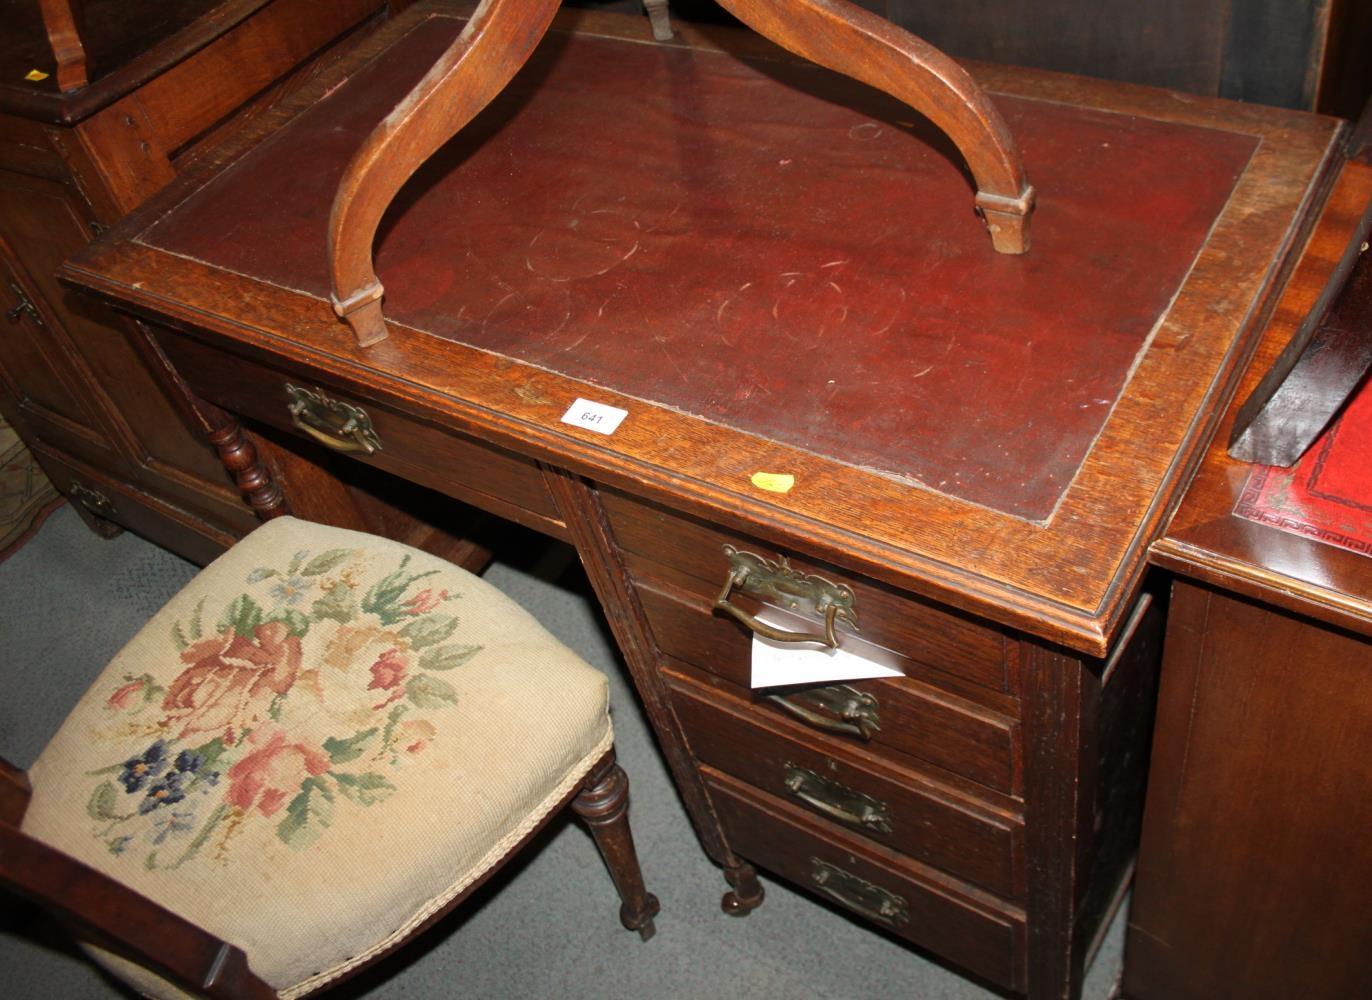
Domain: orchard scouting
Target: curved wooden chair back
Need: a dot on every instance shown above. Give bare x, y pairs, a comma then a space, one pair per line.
501, 36
62, 20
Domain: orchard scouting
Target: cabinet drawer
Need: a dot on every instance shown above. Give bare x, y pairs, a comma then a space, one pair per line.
941, 639
954, 920
153, 519
897, 714
900, 809
487, 477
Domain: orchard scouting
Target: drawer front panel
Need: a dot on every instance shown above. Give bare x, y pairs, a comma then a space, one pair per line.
910, 717
941, 639
159, 522
501, 482
955, 921
894, 808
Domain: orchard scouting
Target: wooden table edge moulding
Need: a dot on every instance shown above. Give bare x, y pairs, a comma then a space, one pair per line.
1060, 593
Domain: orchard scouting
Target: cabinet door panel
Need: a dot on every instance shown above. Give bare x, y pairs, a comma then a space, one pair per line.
35, 364
96, 373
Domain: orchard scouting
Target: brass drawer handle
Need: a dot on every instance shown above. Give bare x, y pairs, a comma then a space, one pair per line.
836, 800
859, 895
93, 500
23, 307
856, 711
789, 588
333, 423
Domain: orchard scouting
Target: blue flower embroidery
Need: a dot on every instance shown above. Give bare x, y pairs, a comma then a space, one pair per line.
137, 770
290, 590
163, 792
172, 823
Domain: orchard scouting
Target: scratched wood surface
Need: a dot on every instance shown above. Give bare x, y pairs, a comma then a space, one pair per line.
1060, 562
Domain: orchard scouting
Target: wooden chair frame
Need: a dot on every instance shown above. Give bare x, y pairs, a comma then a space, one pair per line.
108, 913
501, 36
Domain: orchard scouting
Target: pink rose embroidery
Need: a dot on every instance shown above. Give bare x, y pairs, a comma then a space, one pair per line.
233, 680
270, 775
424, 601
416, 734
127, 695
387, 671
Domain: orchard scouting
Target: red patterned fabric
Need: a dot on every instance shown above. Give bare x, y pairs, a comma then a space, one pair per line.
1328, 494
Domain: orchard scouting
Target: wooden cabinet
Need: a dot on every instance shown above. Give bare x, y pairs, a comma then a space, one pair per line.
163, 83
1254, 860
756, 261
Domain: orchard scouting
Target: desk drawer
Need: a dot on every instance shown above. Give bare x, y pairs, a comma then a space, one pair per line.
957, 921
689, 553
902, 715
898, 808
487, 477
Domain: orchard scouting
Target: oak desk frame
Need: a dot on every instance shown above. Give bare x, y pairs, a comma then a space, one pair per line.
1063, 595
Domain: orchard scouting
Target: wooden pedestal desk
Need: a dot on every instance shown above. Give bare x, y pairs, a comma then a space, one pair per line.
1254, 864
772, 270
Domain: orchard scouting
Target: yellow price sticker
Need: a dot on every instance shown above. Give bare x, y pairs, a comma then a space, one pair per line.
774, 482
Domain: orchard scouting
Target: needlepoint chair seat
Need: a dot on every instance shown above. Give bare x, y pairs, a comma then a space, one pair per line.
315, 746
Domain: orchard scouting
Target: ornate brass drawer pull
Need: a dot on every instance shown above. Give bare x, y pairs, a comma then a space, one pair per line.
333, 423
856, 711
835, 800
859, 895
790, 588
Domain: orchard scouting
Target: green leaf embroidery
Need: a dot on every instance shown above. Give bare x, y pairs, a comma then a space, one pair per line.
195, 627
383, 599
446, 657
260, 574
307, 815
342, 751
209, 753
179, 637
365, 789
243, 616
337, 604
428, 691
428, 630
296, 560
298, 623
101, 804
325, 561
392, 720
199, 840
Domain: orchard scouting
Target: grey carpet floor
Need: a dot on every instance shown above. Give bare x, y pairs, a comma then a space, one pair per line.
547, 926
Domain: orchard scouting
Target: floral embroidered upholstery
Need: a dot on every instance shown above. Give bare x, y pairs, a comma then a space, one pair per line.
317, 743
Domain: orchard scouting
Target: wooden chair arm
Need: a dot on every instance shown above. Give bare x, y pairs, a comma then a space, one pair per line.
112, 915
844, 37
15, 791
497, 41
62, 20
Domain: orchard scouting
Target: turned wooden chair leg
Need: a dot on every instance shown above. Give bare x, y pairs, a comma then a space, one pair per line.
604, 805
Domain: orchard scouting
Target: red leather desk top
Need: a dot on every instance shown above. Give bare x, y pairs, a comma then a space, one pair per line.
799, 262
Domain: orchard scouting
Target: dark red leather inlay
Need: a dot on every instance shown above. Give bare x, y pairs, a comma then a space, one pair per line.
718, 237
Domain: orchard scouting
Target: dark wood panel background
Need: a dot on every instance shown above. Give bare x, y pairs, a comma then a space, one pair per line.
1293, 53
